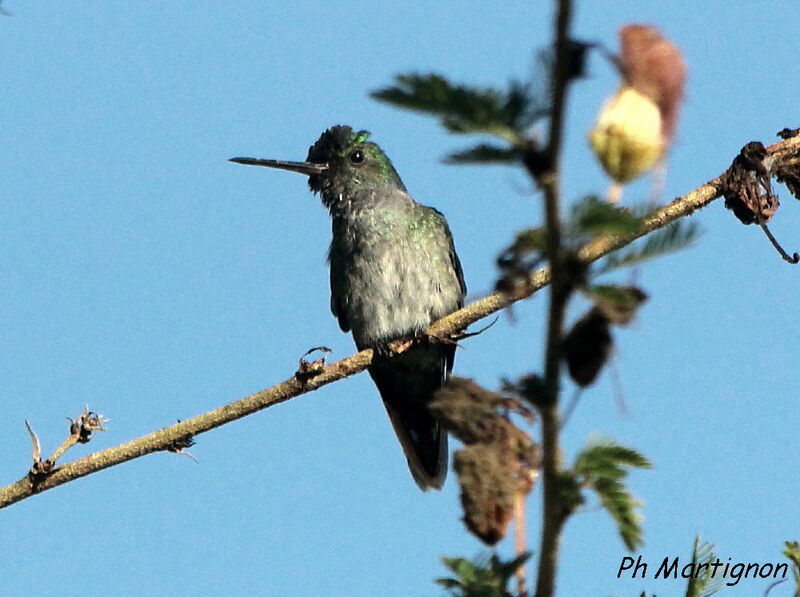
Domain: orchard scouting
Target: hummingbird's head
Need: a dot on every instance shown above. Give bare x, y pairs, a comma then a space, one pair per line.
339, 164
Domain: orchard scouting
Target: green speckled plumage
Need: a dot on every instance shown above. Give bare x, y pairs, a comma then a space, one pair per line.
393, 270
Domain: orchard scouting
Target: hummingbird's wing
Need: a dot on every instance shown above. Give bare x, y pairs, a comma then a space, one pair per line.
338, 313
384, 288
454, 260
408, 382
449, 352
338, 291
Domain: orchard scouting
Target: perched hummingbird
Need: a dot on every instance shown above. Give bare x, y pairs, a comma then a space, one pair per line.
393, 270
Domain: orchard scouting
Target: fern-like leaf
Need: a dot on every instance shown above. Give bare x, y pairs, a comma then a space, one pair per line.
485, 153
792, 552
594, 216
621, 506
677, 235
628, 297
464, 108
705, 584
602, 452
482, 577
602, 468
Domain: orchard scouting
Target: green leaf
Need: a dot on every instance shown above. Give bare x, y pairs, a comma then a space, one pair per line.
485, 154
618, 304
705, 584
569, 491
601, 465
792, 552
482, 577
464, 108
594, 216
447, 583
676, 236
603, 452
461, 566
621, 505
529, 240
622, 296
507, 569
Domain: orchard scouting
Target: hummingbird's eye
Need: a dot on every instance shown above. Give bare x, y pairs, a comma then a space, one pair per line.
357, 156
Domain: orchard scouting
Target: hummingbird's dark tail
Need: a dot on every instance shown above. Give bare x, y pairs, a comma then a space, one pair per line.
407, 384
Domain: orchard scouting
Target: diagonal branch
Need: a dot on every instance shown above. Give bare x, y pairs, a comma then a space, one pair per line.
165, 439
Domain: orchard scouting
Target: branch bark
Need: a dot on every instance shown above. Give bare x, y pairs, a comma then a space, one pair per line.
168, 437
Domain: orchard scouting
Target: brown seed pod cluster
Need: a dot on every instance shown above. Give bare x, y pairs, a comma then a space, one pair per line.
788, 171
498, 460
747, 188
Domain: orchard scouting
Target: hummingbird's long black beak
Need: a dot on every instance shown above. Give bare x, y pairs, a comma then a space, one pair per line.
306, 168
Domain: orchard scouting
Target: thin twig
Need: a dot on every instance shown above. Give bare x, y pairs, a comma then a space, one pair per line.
162, 439
519, 541
793, 258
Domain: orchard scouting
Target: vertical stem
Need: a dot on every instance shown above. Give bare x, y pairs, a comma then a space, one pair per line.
551, 515
552, 519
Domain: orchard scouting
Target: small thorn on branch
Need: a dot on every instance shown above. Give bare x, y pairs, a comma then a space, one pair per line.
37, 448
40, 468
179, 446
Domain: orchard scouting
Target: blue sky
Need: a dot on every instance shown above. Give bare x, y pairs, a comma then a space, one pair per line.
145, 275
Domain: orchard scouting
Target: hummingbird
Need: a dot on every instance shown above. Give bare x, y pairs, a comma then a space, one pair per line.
393, 271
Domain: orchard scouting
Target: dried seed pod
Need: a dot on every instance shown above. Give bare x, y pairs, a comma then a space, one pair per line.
498, 462
587, 347
469, 411
747, 188
789, 175
487, 491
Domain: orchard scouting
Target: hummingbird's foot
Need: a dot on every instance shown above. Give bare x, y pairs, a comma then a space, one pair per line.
395, 346
421, 337
438, 338
463, 334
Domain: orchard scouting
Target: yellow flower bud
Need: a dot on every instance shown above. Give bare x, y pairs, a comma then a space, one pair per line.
627, 137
